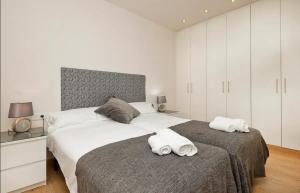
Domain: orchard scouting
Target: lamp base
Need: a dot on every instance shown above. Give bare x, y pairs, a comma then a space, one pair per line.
21, 125
161, 108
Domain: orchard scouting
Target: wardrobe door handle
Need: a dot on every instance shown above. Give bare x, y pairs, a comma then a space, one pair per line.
284, 83
223, 87
191, 87
277, 85
188, 88
228, 86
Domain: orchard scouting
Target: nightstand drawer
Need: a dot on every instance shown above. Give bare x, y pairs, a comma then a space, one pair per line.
17, 154
20, 177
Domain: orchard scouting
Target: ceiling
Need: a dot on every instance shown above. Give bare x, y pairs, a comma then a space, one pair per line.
171, 13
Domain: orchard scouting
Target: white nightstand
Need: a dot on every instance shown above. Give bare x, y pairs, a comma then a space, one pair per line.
23, 160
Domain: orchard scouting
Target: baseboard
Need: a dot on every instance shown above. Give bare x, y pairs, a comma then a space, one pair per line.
29, 187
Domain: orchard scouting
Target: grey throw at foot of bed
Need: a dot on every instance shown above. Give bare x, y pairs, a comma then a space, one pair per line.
130, 167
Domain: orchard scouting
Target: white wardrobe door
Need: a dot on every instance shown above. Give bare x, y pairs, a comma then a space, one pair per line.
216, 67
198, 72
183, 73
238, 64
291, 73
265, 54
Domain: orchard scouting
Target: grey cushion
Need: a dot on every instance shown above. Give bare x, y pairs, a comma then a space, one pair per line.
118, 110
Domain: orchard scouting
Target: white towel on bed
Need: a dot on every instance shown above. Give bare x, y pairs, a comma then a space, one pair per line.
229, 125
179, 144
158, 145
240, 125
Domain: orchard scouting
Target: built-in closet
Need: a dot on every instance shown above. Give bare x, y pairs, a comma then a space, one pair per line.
290, 73
244, 64
265, 65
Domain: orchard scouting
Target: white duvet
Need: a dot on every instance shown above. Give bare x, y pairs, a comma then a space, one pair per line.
69, 143
156, 121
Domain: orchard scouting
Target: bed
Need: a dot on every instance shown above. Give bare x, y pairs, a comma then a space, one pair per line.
69, 143
248, 151
97, 154
91, 152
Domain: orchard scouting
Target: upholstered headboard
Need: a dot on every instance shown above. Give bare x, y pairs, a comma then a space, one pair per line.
89, 88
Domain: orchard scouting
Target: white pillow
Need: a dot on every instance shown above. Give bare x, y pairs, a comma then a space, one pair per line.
73, 116
143, 107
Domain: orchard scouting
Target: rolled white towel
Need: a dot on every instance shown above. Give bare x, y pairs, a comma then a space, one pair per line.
179, 144
158, 145
229, 125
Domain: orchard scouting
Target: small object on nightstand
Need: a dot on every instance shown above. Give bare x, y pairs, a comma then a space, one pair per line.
160, 101
43, 118
20, 111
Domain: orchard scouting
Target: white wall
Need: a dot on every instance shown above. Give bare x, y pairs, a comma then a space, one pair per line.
40, 36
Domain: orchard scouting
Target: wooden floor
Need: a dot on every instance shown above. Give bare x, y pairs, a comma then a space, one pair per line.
283, 175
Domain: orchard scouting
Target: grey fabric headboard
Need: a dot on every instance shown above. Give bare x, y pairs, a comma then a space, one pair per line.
89, 88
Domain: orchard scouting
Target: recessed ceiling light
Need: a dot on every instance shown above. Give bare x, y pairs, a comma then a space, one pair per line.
232, 1
206, 11
183, 20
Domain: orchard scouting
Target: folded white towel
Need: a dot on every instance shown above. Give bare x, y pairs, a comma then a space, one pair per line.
222, 123
179, 144
240, 125
158, 145
229, 125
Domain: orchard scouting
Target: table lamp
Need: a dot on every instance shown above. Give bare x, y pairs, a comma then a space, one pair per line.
160, 101
20, 111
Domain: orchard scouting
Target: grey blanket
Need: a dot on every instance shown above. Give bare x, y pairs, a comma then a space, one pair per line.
248, 151
130, 167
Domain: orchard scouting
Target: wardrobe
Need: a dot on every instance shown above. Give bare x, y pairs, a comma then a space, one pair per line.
290, 73
191, 72
244, 64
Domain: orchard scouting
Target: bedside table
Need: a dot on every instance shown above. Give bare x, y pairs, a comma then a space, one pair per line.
23, 160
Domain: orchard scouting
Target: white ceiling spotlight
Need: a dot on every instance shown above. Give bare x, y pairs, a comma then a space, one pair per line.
183, 20
232, 1
205, 10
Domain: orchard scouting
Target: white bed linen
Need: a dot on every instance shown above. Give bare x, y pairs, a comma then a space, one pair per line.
153, 122
69, 143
